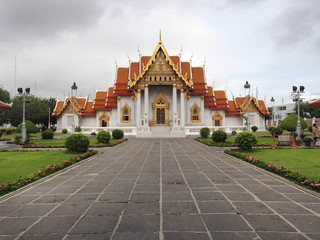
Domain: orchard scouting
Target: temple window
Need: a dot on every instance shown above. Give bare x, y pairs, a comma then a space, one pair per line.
195, 113
160, 78
217, 119
165, 78
150, 78
126, 111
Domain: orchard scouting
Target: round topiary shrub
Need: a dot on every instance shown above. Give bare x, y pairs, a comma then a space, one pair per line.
254, 128
47, 134
64, 131
246, 140
117, 134
77, 129
290, 123
30, 126
219, 136
103, 137
205, 132
277, 130
77, 143
270, 129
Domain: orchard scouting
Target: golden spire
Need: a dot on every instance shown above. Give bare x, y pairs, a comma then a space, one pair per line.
160, 35
139, 52
180, 51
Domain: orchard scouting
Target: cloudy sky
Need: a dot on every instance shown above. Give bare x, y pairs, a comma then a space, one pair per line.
272, 44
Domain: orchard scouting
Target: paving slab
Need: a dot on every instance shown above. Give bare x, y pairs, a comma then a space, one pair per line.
161, 189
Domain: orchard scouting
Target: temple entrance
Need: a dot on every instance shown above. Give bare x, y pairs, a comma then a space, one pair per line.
161, 116
160, 107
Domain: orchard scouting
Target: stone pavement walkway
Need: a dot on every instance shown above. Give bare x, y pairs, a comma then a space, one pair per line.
161, 189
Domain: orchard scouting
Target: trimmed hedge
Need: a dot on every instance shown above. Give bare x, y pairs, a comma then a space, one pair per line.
254, 128
77, 143
103, 137
205, 132
47, 134
219, 136
30, 127
117, 134
246, 140
64, 131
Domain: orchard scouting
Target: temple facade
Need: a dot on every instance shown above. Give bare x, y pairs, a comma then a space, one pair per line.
160, 94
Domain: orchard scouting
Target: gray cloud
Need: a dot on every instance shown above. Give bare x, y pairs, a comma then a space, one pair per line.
34, 18
298, 23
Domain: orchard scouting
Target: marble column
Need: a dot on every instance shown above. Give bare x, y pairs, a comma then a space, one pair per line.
138, 117
146, 106
174, 104
118, 110
182, 123
202, 110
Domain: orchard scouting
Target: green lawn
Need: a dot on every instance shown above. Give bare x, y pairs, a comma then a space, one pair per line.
306, 161
22, 164
32, 135
57, 142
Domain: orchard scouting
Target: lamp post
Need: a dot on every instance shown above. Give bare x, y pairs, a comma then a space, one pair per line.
272, 101
247, 86
23, 127
296, 97
73, 88
49, 114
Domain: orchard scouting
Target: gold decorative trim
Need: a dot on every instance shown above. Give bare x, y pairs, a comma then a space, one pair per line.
165, 105
104, 117
195, 106
217, 116
123, 114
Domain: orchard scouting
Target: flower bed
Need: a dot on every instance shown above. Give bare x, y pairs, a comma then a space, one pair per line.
294, 176
51, 168
39, 145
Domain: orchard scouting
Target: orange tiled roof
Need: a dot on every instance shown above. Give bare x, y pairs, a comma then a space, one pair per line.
209, 100
315, 104
134, 69
199, 85
263, 107
176, 60
89, 111
121, 86
185, 68
4, 106
221, 100
58, 108
144, 62
111, 99
232, 110
100, 100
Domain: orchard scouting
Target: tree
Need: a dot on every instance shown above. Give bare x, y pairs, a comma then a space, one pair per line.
306, 111
269, 117
37, 110
4, 97
290, 123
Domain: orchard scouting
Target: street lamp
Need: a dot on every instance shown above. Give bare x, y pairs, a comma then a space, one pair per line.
73, 88
247, 86
272, 101
23, 127
296, 97
49, 114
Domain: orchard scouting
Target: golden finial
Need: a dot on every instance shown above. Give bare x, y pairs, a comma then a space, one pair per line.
115, 61
180, 51
128, 58
191, 57
204, 63
139, 52
160, 35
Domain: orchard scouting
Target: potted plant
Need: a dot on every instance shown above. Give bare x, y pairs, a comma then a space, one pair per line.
307, 141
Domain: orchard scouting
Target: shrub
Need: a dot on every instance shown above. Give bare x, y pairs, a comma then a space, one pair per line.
270, 129
30, 126
77, 143
310, 128
254, 128
103, 137
64, 131
290, 123
47, 134
8, 131
277, 131
17, 139
0, 134
246, 140
117, 134
219, 136
77, 129
205, 132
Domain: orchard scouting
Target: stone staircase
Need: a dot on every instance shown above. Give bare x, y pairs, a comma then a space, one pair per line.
160, 132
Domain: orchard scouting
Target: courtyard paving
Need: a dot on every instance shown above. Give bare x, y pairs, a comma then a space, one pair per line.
161, 189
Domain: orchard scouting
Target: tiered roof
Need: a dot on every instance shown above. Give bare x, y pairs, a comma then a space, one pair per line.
4, 106
192, 77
